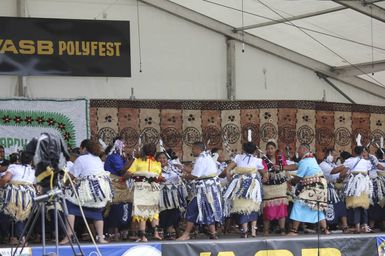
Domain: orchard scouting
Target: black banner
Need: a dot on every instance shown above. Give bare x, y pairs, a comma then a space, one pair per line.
339, 245
35, 46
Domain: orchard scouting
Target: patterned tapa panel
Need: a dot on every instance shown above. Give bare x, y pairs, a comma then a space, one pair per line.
342, 131
324, 137
181, 123
231, 131
306, 120
268, 129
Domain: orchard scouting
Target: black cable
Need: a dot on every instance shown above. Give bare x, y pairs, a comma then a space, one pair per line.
371, 36
322, 44
139, 41
243, 32
339, 37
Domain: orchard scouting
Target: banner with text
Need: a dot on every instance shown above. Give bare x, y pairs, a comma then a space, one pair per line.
22, 119
299, 246
64, 47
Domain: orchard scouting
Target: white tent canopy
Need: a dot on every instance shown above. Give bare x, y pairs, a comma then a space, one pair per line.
341, 39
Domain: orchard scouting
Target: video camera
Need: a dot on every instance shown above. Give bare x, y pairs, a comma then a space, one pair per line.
50, 155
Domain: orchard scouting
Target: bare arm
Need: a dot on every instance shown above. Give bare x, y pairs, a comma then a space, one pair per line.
5, 179
380, 167
228, 169
337, 169
290, 167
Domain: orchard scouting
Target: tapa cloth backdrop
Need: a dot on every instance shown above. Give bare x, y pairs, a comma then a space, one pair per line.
323, 125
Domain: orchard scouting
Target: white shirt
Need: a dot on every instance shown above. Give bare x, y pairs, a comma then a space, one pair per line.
357, 164
250, 161
86, 165
70, 166
23, 173
204, 166
221, 167
171, 174
327, 169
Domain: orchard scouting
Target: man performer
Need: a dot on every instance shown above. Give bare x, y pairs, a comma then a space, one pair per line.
206, 207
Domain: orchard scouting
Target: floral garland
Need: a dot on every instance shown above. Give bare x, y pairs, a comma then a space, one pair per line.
42, 119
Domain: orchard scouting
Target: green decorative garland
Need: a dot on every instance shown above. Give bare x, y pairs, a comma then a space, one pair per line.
53, 120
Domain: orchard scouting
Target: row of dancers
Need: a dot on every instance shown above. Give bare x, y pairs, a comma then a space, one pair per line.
149, 190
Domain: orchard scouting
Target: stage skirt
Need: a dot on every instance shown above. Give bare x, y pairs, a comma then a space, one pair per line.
18, 200
90, 213
145, 204
169, 218
275, 198
206, 206
358, 190
119, 215
336, 207
376, 209
243, 192
312, 191
303, 213
94, 191
122, 190
173, 196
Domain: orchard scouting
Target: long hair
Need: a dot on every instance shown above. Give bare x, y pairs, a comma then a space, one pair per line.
148, 150
92, 147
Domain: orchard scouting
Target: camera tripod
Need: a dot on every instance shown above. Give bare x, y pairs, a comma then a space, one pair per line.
56, 198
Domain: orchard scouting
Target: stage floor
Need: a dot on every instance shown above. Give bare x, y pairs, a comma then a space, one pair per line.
302, 245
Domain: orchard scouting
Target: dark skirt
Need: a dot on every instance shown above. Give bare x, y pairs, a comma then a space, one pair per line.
169, 218
119, 215
376, 213
193, 212
245, 218
335, 211
90, 213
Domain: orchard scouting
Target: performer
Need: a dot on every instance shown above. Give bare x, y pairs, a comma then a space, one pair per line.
219, 159
311, 190
205, 208
119, 211
145, 172
358, 188
376, 212
244, 189
173, 199
275, 199
334, 175
19, 191
3, 162
92, 185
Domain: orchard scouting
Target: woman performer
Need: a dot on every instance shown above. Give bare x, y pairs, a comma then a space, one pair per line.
244, 189
377, 176
173, 198
311, 192
19, 191
334, 175
145, 172
92, 185
275, 201
119, 212
358, 188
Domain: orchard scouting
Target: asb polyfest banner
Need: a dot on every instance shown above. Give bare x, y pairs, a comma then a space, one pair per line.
64, 47
23, 119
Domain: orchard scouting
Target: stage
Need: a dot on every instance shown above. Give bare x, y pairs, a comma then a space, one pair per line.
302, 245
